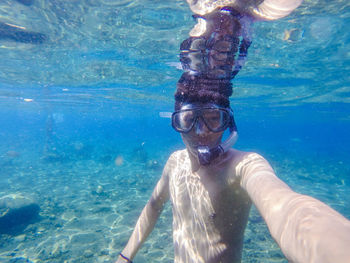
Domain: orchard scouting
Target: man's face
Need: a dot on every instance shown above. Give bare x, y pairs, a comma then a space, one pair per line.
200, 134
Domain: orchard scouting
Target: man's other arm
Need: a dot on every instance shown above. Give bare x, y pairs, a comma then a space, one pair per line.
306, 229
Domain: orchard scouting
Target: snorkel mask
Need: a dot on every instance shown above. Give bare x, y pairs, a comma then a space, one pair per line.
216, 119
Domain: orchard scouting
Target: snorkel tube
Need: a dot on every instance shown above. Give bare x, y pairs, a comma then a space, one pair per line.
206, 155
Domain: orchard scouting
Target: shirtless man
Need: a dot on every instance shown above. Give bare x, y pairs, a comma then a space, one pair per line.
211, 186
211, 204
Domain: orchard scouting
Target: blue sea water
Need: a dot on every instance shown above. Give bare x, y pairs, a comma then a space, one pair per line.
81, 134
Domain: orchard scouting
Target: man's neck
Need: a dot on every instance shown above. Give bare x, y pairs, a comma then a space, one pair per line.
195, 164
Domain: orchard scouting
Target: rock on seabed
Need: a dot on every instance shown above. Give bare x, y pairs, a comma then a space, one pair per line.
16, 213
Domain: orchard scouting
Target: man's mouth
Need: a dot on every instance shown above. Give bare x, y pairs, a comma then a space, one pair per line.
200, 144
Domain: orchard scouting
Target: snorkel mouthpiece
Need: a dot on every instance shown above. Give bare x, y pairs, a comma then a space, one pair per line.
206, 155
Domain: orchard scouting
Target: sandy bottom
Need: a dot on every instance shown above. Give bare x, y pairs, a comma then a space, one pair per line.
89, 205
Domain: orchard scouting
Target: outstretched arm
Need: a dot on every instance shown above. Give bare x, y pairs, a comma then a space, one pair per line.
306, 229
148, 218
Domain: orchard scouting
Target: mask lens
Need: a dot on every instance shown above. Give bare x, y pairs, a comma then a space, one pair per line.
216, 119
183, 120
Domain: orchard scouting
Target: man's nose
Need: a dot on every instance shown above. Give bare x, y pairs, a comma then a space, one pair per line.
200, 127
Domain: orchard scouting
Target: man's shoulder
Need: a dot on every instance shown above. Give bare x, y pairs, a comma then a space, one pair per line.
250, 161
237, 154
179, 157
237, 158
179, 154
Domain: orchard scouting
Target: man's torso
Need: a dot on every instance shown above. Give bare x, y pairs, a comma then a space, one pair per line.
210, 211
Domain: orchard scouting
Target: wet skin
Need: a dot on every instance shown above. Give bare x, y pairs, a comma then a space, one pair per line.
210, 210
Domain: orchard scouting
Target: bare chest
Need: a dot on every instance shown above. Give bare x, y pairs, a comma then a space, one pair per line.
207, 199
209, 217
